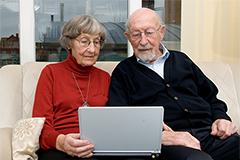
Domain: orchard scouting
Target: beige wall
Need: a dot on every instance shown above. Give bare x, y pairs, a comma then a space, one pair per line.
211, 30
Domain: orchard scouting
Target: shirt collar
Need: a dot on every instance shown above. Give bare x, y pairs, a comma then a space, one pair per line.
163, 57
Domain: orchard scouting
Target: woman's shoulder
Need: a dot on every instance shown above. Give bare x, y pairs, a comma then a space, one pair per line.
54, 65
100, 71
52, 68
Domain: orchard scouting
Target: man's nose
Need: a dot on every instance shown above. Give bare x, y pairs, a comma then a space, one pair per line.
143, 40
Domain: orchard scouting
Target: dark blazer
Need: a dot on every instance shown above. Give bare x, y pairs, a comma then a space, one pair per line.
187, 95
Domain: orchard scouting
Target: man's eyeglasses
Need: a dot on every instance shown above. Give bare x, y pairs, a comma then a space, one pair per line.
85, 43
148, 33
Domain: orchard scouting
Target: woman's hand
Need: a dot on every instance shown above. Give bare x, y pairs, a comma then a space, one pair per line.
73, 146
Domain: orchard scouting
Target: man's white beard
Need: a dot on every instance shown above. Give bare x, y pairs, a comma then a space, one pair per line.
146, 57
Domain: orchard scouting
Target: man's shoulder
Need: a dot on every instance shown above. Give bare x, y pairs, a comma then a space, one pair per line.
128, 62
126, 66
177, 53
179, 56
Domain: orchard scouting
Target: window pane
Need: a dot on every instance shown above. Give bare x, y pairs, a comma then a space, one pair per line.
170, 12
9, 44
51, 15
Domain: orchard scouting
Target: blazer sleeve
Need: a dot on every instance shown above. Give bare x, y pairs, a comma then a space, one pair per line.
208, 91
119, 90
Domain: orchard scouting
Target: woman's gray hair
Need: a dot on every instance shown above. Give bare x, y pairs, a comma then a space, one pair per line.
81, 24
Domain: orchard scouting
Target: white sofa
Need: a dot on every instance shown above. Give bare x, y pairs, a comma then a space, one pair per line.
18, 82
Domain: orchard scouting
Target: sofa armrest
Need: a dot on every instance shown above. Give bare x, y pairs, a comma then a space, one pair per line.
6, 143
10, 95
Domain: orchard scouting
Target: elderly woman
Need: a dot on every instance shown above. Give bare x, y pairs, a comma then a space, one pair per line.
67, 85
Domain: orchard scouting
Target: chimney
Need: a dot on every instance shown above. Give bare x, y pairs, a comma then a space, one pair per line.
61, 12
52, 18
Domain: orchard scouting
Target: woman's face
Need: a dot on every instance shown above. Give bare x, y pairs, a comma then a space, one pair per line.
86, 55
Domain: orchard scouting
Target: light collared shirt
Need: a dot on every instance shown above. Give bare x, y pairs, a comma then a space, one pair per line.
158, 65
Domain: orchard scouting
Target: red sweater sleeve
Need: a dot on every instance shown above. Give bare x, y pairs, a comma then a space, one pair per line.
58, 98
43, 107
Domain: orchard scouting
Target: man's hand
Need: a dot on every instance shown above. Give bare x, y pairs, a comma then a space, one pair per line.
223, 128
73, 146
166, 127
169, 137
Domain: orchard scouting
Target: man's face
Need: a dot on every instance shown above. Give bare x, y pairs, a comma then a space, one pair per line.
145, 34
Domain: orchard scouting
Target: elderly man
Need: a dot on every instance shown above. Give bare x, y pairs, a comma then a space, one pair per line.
196, 124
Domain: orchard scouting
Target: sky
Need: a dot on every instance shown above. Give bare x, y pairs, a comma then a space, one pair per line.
103, 10
9, 19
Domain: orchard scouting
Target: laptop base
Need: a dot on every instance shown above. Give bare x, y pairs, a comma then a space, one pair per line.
146, 154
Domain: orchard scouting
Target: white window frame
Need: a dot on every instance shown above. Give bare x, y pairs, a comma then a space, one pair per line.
132, 6
27, 29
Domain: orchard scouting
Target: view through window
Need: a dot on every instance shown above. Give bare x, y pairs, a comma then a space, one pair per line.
51, 16
170, 12
9, 37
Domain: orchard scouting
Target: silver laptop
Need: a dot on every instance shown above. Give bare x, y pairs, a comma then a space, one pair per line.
122, 131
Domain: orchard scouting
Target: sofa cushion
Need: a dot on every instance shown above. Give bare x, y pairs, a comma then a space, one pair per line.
25, 138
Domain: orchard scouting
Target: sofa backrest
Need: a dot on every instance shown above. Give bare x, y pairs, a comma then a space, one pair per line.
227, 82
17, 88
235, 68
31, 72
220, 73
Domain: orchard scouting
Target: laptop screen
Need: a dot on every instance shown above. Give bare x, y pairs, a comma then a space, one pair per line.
122, 130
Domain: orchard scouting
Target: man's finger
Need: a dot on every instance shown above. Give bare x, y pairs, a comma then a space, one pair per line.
166, 127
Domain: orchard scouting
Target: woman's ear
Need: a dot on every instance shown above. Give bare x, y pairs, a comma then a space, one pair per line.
69, 50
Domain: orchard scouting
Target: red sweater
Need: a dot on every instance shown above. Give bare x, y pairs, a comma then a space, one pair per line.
58, 98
